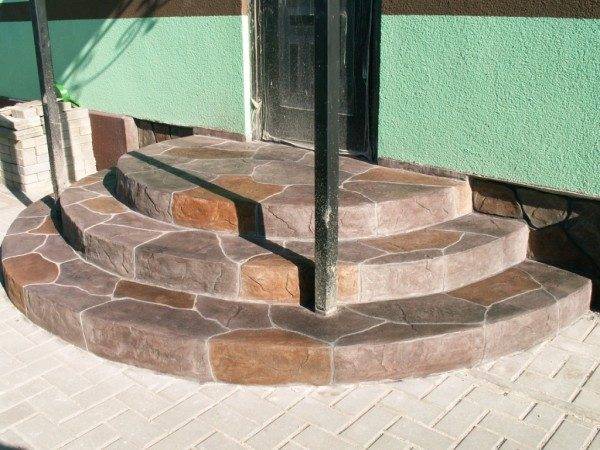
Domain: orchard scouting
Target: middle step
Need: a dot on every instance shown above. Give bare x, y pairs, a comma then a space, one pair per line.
434, 259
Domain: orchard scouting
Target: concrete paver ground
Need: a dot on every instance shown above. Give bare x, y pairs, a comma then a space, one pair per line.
54, 395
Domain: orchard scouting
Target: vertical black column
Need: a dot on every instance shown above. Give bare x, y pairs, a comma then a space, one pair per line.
43, 53
327, 105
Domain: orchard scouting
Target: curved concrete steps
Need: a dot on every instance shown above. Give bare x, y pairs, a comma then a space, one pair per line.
206, 338
266, 190
430, 260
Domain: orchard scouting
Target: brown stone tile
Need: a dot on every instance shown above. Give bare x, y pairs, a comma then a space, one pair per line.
431, 309
208, 153
136, 194
497, 199
280, 153
214, 209
269, 357
351, 251
328, 329
395, 351
499, 287
20, 244
80, 274
112, 247
55, 249
520, 322
154, 294
47, 227
574, 305
25, 224
74, 195
474, 258
354, 166
388, 175
290, 213
151, 336
401, 280
105, 205
482, 224
188, 260
285, 173
209, 169
41, 208
274, 278
57, 308
247, 188
135, 220
75, 220
24, 270
234, 315
239, 249
417, 240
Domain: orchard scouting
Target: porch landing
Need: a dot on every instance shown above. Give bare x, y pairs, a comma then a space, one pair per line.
194, 257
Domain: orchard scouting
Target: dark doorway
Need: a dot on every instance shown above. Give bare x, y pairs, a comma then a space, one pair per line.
285, 32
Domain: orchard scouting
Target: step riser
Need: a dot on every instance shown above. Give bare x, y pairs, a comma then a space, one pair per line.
282, 281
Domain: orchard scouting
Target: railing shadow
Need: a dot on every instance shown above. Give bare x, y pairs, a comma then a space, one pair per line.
243, 206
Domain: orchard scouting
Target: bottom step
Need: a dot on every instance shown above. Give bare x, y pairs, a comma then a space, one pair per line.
206, 338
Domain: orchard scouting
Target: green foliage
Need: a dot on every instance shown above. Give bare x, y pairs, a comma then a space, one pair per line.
64, 95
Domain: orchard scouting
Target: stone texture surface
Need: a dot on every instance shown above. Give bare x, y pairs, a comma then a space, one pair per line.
564, 229
234, 187
55, 395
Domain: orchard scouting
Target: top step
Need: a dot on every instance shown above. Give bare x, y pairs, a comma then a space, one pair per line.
267, 190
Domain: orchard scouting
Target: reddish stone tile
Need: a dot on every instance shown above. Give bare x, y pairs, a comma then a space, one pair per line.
112, 247
55, 249
135, 220
208, 153
25, 224
328, 329
573, 305
220, 211
274, 278
482, 224
247, 188
280, 153
417, 240
41, 208
401, 280
47, 227
20, 244
136, 193
285, 173
431, 309
105, 205
75, 220
388, 175
395, 351
269, 357
151, 336
188, 260
80, 274
239, 249
520, 322
209, 169
57, 308
354, 166
499, 287
74, 195
154, 294
24, 270
234, 315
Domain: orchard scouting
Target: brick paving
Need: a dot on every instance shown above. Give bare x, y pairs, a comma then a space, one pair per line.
53, 395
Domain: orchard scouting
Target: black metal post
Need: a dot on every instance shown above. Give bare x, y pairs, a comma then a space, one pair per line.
327, 105
43, 53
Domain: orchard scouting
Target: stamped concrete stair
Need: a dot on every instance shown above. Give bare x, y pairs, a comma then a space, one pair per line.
113, 269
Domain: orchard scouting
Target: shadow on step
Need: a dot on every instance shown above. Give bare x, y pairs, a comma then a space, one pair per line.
250, 225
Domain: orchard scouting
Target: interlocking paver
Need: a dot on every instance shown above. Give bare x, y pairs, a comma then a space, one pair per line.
478, 439
570, 434
54, 394
419, 435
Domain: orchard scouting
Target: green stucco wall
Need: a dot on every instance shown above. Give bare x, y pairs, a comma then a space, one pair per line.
176, 70
516, 99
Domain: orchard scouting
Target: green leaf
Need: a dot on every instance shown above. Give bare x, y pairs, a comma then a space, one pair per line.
64, 95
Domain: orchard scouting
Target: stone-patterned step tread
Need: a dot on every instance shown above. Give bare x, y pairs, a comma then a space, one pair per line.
263, 189
434, 259
206, 338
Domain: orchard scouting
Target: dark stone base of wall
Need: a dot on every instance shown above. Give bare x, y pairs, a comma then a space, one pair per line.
564, 230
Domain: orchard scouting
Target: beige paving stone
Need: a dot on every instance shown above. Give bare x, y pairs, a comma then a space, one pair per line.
136, 429
143, 401
317, 413
186, 436
544, 416
219, 441
448, 391
389, 442
98, 437
318, 439
277, 432
409, 406
370, 425
183, 411
570, 434
40, 432
361, 399
461, 418
512, 428
419, 435
16, 414
252, 406
510, 403
229, 422
478, 439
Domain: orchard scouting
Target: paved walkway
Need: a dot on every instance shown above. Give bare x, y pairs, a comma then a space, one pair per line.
53, 395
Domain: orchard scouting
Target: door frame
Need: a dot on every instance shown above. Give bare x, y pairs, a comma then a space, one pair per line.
260, 81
